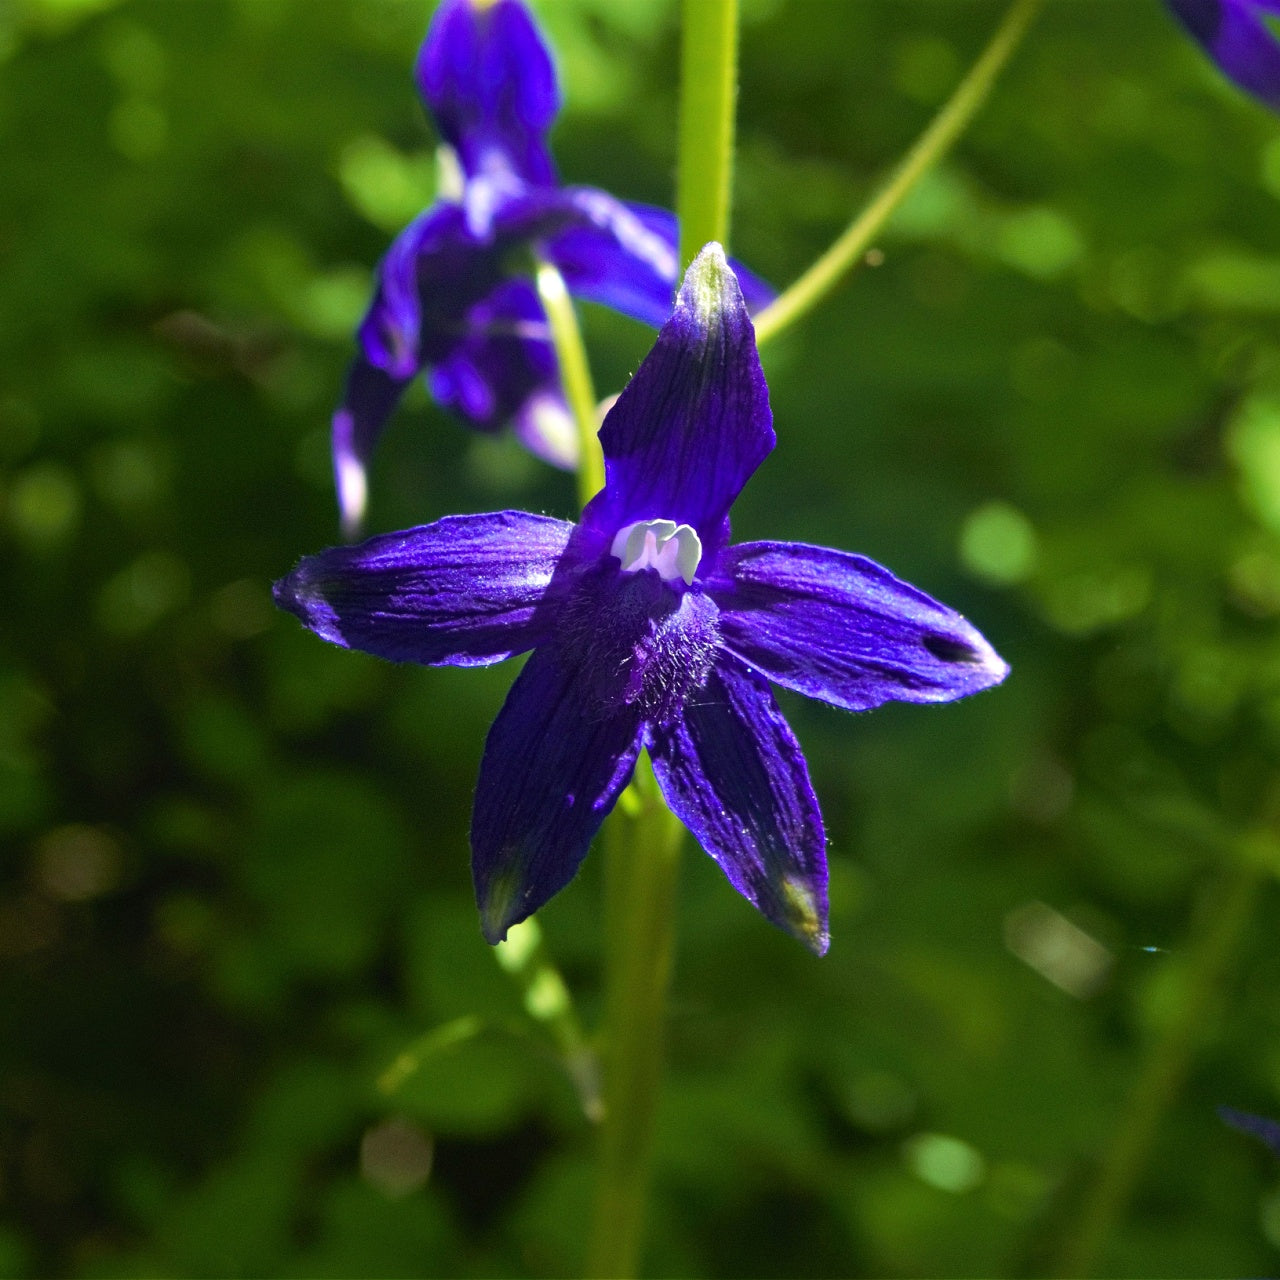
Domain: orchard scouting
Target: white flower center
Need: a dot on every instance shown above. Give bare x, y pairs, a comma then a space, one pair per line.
673, 549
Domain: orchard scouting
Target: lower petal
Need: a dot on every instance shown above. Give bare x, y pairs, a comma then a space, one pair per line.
549, 777
733, 773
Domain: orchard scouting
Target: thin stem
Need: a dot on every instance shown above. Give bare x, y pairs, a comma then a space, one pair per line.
708, 91
643, 858
575, 374
929, 148
525, 957
1166, 1066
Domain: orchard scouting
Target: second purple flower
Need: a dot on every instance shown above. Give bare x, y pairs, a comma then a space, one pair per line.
454, 296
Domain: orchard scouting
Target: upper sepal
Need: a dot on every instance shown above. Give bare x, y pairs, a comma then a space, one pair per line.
694, 422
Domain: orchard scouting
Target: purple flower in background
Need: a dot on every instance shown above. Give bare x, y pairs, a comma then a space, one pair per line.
648, 629
453, 295
1237, 37
1258, 1126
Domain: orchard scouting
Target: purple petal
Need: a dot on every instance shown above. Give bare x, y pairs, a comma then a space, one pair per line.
434, 251
839, 627
693, 424
1238, 39
464, 591
733, 773
619, 255
370, 398
1257, 1126
551, 773
626, 256
486, 75
502, 368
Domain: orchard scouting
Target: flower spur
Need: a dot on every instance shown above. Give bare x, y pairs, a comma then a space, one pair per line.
647, 628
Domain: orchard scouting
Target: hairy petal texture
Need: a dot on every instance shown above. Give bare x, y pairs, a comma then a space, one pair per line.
1258, 1126
1237, 37
694, 422
488, 80
733, 773
551, 772
839, 627
465, 591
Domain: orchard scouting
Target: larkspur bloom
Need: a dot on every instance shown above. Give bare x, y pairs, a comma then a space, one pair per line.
647, 628
1236, 35
453, 296
1258, 1126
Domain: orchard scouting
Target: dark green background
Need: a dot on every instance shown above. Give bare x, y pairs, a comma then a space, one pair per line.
235, 880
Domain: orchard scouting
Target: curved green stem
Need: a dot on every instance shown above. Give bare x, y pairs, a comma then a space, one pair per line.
575, 375
929, 148
525, 957
708, 91
1166, 1065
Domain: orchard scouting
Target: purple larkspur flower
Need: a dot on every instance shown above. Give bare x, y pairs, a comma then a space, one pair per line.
453, 295
1236, 35
1257, 1126
647, 628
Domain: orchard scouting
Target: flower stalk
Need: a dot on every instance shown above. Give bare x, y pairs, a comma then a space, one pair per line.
643, 837
575, 374
641, 871
956, 114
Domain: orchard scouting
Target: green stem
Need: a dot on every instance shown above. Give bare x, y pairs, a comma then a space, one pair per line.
524, 956
708, 90
575, 374
929, 148
643, 858
1166, 1066
643, 836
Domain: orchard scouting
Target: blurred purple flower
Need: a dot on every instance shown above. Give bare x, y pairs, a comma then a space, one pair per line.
453, 294
1258, 1126
648, 629
1237, 37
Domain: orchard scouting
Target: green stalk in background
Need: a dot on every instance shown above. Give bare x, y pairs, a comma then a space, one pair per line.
708, 94
575, 374
823, 276
643, 838
642, 847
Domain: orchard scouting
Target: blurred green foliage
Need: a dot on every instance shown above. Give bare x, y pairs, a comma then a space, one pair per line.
235, 887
